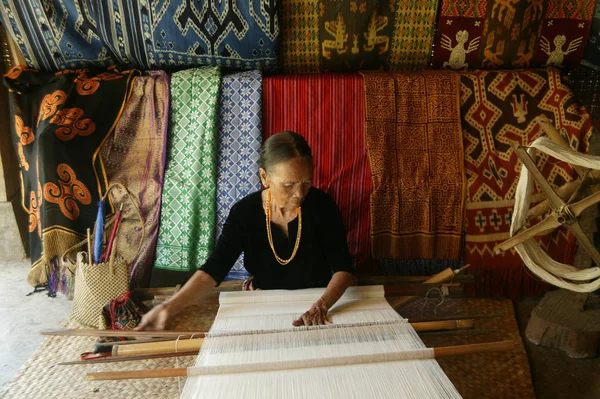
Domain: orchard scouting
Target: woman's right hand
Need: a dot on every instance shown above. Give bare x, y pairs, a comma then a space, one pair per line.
155, 319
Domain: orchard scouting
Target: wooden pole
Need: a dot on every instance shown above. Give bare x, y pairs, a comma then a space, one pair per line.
111, 359
297, 364
499, 346
89, 332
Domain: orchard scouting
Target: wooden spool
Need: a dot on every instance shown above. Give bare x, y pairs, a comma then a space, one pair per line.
563, 320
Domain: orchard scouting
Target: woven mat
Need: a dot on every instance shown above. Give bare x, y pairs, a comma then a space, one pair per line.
482, 375
40, 377
492, 375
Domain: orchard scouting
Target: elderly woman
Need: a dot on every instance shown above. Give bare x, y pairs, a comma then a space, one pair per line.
291, 233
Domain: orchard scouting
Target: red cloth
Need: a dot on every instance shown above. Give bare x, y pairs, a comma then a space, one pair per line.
329, 112
497, 109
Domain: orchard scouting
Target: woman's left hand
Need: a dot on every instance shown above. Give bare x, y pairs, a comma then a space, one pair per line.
316, 315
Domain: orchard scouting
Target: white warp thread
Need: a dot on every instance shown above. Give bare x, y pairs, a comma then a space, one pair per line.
536, 260
369, 351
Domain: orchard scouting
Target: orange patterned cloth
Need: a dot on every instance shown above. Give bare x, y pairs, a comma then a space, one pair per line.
59, 122
416, 153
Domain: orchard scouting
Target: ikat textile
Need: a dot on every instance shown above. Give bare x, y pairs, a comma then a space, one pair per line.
187, 220
59, 34
328, 111
349, 35
59, 122
495, 34
497, 110
416, 153
134, 155
239, 138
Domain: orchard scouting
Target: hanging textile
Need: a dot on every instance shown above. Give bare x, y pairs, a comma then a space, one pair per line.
349, 35
59, 123
497, 109
134, 155
416, 154
187, 217
237, 34
239, 138
591, 57
328, 111
517, 34
59, 34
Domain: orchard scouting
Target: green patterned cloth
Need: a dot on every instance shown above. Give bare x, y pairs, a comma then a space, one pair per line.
187, 220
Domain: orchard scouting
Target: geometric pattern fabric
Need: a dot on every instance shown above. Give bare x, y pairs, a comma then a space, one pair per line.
239, 138
187, 220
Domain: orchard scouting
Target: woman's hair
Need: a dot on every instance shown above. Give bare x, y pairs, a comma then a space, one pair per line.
282, 147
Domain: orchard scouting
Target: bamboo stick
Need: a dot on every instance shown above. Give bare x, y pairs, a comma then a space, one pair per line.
443, 325
111, 359
153, 348
443, 276
297, 364
89, 332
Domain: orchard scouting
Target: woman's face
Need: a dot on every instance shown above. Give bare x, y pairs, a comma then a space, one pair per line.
289, 182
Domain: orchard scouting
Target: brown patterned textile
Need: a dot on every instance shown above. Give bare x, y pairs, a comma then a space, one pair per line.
415, 150
495, 34
350, 35
498, 109
134, 155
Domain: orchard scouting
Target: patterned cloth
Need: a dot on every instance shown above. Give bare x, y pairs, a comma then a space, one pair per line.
135, 157
239, 137
348, 35
59, 123
591, 57
58, 34
328, 111
187, 219
512, 34
416, 154
497, 109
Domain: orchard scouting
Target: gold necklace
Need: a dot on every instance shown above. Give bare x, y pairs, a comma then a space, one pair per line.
268, 219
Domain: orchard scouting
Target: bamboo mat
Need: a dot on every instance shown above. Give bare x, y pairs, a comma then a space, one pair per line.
481, 375
493, 375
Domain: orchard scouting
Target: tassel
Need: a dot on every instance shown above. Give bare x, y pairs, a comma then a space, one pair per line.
99, 233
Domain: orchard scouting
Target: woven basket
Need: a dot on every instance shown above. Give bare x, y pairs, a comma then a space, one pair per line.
97, 284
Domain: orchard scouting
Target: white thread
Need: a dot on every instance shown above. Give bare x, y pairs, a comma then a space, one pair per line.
536, 260
253, 352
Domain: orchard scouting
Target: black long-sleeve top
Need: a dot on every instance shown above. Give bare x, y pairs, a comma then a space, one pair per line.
323, 248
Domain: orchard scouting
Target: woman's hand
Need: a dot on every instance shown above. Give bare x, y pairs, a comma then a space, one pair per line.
316, 315
155, 319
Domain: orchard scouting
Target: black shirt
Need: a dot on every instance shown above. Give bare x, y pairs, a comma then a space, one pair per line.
323, 248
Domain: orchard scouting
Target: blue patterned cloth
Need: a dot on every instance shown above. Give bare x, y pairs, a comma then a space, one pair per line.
60, 34
239, 137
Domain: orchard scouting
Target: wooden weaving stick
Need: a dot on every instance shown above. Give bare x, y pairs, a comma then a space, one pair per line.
111, 359
443, 351
89, 332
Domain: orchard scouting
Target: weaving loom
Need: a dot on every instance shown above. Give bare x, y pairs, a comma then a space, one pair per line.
252, 331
